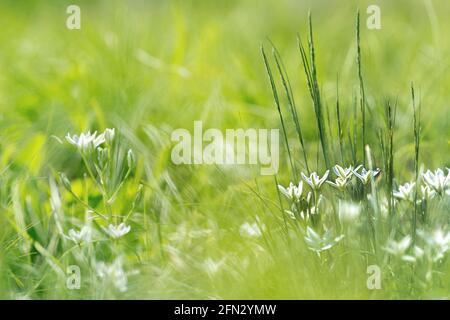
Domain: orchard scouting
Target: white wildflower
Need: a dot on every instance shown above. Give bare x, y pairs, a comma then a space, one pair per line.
113, 274
344, 173
398, 248
80, 236
320, 243
438, 180
314, 181
86, 142
117, 231
438, 242
292, 192
441, 243
406, 191
365, 176
211, 266
250, 230
427, 192
340, 183
416, 255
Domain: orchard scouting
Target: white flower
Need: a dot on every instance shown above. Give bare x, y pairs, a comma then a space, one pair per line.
348, 211
340, 183
80, 236
406, 191
292, 192
442, 239
427, 192
438, 180
344, 173
114, 274
117, 231
398, 248
418, 252
366, 175
314, 181
86, 142
109, 135
416, 255
211, 266
438, 242
250, 230
441, 243
319, 243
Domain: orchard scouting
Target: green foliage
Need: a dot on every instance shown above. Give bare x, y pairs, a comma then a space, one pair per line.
138, 226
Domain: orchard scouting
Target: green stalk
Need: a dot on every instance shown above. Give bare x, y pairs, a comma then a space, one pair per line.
390, 113
416, 159
374, 203
362, 97
339, 125
310, 69
291, 101
277, 102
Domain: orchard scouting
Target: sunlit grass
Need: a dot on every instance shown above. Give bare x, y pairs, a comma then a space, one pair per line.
147, 68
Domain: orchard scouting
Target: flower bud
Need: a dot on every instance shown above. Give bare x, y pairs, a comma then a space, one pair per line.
109, 135
65, 181
131, 159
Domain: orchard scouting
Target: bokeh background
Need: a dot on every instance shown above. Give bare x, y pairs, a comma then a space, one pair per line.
148, 67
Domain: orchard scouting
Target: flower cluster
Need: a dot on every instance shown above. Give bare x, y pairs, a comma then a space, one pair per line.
435, 245
438, 181
307, 204
87, 142
109, 165
78, 237
113, 274
435, 183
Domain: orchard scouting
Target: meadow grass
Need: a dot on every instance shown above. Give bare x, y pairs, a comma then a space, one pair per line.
138, 226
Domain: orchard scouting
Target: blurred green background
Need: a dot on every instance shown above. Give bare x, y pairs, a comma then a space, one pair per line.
171, 62
148, 67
